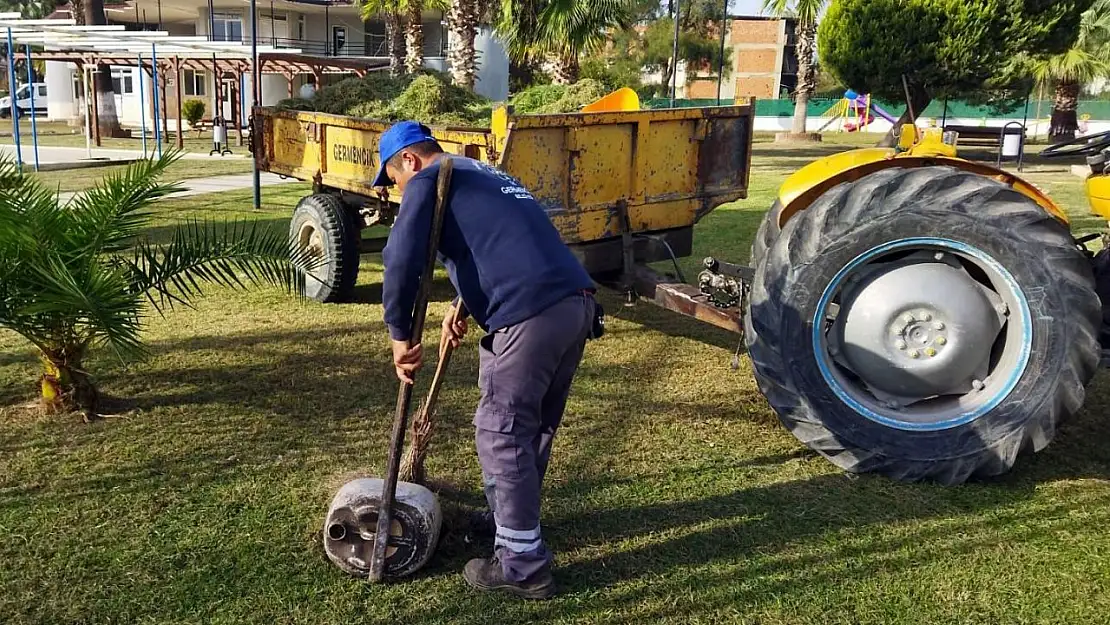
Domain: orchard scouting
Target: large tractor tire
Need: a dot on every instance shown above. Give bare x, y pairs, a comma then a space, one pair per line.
924, 324
768, 231
322, 225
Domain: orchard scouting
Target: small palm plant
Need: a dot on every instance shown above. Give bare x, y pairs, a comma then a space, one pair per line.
75, 275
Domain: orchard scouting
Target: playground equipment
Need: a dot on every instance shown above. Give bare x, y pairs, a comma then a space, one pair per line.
854, 111
907, 312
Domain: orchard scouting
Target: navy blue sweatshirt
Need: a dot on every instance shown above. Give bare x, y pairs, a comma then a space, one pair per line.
501, 250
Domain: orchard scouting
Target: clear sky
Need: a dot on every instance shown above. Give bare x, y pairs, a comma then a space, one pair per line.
745, 7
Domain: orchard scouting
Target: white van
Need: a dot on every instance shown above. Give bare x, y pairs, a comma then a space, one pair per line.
23, 100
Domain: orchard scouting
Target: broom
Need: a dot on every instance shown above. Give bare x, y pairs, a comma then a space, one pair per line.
412, 464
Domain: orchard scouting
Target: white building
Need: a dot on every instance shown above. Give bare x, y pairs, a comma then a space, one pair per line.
319, 28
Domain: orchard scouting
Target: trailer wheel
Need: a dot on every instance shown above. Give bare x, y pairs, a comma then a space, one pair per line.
321, 224
924, 324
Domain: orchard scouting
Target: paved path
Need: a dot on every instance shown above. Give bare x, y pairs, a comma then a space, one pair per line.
56, 155
215, 184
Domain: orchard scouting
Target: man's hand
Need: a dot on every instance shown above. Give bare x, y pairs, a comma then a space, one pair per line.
452, 332
407, 360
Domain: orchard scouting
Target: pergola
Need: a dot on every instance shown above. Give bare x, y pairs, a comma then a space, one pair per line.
158, 52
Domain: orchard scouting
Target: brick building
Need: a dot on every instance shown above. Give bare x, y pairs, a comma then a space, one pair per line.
764, 63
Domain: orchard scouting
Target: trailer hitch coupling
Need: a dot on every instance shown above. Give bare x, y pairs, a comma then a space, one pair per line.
724, 284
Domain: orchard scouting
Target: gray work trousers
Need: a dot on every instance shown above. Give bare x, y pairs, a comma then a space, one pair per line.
525, 373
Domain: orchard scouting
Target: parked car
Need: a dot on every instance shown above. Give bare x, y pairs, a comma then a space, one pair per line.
23, 100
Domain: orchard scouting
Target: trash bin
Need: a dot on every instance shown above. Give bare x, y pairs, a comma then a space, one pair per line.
1011, 144
219, 137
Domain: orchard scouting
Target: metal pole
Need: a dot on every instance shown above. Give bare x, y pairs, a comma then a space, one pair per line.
257, 89
211, 22
12, 101
154, 71
159, 14
177, 72
34, 124
88, 114
674, 52
721, 60
142, 106
327, 30
273, 31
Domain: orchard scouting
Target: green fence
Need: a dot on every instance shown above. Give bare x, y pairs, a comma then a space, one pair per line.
1096, 109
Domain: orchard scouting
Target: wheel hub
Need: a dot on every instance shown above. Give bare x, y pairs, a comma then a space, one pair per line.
914, 331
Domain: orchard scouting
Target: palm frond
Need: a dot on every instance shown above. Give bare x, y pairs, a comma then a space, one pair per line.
198, 253
109, 216
806, 11
1074, 65
369, 9
536, 28
88, 304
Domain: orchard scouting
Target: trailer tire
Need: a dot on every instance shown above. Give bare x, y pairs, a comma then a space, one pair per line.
322, 222
903, 222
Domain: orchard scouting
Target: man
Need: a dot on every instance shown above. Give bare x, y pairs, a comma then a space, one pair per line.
525, 288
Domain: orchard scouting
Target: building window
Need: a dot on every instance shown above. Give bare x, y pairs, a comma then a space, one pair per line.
227, 27
122, 81
194, 82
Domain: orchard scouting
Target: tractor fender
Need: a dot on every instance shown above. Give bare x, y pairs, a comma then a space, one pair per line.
807, 184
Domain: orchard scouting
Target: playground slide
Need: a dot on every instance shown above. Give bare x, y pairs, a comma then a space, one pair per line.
874, 111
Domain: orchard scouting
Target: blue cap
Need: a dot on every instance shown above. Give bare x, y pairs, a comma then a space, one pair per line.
399, 136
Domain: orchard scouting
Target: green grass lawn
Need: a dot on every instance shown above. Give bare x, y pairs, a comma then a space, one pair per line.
61, 134
83, 178
674, 495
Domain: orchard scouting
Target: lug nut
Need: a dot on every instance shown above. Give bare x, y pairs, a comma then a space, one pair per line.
914, 353
977, 385
930, 352
908, 318
926, 317
938, 326
900, 345
940, 340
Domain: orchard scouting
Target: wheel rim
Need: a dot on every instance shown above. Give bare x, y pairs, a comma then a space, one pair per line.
311, 240
922, 334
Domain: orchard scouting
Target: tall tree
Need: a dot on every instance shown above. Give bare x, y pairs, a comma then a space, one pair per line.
414, 30
390, 12
463, 20
806, 12
91, 12
943, 48
560, 30
1066, 72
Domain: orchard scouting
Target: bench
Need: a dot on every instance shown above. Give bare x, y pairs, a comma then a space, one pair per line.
983, 136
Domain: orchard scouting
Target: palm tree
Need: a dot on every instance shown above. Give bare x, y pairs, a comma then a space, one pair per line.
561, 30
91, 12
806, 12
1086, 60
463, 20
75, 277
414, 30
390, 11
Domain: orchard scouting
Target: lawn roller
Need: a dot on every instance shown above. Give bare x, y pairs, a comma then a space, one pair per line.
379, 528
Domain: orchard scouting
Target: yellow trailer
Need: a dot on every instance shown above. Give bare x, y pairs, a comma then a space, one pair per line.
624, 188
907, 312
